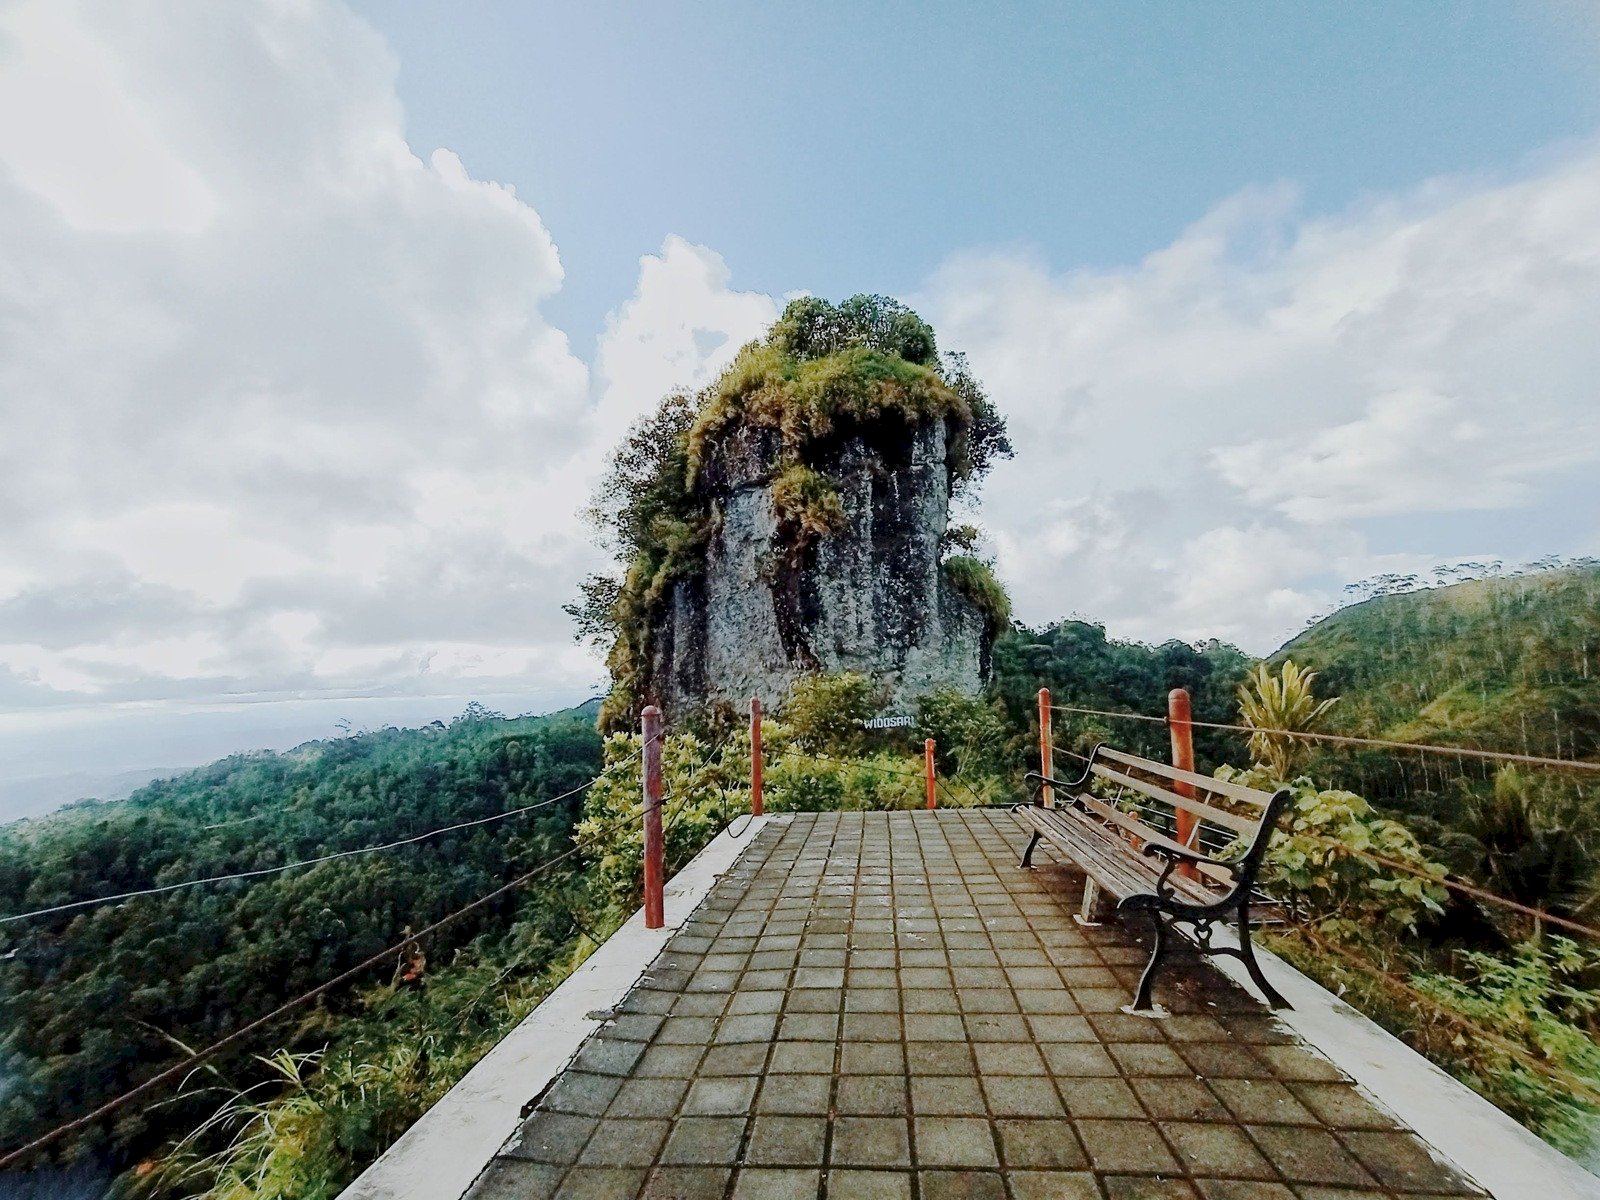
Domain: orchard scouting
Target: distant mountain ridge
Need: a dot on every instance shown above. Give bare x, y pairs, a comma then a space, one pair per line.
1505, 663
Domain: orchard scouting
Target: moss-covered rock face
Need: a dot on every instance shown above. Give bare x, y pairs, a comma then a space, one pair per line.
793, 518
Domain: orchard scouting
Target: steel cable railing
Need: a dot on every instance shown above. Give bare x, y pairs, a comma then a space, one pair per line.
1575, 764
203, 1056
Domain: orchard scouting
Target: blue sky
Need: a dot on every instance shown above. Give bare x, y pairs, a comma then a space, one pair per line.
841, 147
320, 319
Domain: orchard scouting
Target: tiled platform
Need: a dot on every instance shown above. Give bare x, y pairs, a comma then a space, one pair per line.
885, 1006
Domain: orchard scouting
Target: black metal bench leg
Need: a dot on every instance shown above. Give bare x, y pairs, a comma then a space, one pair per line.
1248, 954
1141, 999
1027, 855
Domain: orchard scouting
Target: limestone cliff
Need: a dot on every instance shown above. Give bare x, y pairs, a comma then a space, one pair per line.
794, 518
871, 597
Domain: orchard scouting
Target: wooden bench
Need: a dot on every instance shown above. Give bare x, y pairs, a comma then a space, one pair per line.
1118, 843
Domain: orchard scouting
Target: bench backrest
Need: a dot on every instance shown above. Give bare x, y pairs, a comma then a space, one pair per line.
1159, 795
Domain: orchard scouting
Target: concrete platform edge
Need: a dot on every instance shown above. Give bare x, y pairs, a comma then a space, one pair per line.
440, 1156
1502, 1157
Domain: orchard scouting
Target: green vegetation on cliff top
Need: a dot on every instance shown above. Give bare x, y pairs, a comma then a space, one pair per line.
867, 367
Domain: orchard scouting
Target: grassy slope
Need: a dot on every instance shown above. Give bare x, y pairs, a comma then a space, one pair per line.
1505, 663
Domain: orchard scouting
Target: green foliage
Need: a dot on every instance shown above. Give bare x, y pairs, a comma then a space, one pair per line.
91, 999
975, 579
824, 712
1083, 667
313, 1119
1528, 841
1543, 1000
807, 504
1318, 862
1284, 701
700, 791
868, 367
970, 734
812, 328
961, 537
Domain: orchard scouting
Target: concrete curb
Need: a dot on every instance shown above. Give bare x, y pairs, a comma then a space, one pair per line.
1471, 1134
441, 1155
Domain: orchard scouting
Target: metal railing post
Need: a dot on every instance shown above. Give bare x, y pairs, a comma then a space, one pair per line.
1047, 749
654, 842
756, 800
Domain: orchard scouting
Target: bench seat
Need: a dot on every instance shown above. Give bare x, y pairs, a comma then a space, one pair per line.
1129, 847
1103, 853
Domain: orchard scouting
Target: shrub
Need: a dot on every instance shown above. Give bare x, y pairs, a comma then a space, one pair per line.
825, 711
1317, 863
807, 504
970, 732
1541, 998
975, 580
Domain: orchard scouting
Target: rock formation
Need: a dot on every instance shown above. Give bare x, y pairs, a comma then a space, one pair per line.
794, 517
872, 597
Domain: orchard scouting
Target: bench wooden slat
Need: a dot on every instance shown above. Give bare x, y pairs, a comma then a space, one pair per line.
1142, 831
1114, 864
1220, 787
1201, 809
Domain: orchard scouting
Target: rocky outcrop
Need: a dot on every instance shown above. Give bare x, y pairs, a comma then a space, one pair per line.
871, 596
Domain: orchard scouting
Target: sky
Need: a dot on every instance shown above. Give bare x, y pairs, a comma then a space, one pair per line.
317, 321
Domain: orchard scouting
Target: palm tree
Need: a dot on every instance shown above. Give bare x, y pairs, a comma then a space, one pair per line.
1529, 846
1278, 706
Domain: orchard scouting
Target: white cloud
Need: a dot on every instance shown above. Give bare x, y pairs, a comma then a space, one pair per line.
680, 328
283, 414
1411, 451
259, 359
1210, 436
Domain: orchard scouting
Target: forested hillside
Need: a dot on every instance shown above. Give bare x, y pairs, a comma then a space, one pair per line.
94, 999
1084, 668
1511, 662
1503, 663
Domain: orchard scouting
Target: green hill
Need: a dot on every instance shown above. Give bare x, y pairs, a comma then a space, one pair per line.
95, 999
1506, 663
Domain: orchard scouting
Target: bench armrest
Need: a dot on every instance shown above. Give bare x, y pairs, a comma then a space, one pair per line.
1176, 856
1067, 785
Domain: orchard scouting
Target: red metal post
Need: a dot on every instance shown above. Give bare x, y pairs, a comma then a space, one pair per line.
1047, 748
1178, 722
927, 768
755, 756
654, 866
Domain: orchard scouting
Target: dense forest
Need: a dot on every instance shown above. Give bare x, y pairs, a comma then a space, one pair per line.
95, 999
1508, 663
1084, 668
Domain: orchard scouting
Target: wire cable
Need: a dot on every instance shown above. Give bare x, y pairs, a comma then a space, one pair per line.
305, 862
1348, 740
119, 1102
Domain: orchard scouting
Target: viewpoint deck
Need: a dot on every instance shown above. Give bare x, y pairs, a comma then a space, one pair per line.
886, 1006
